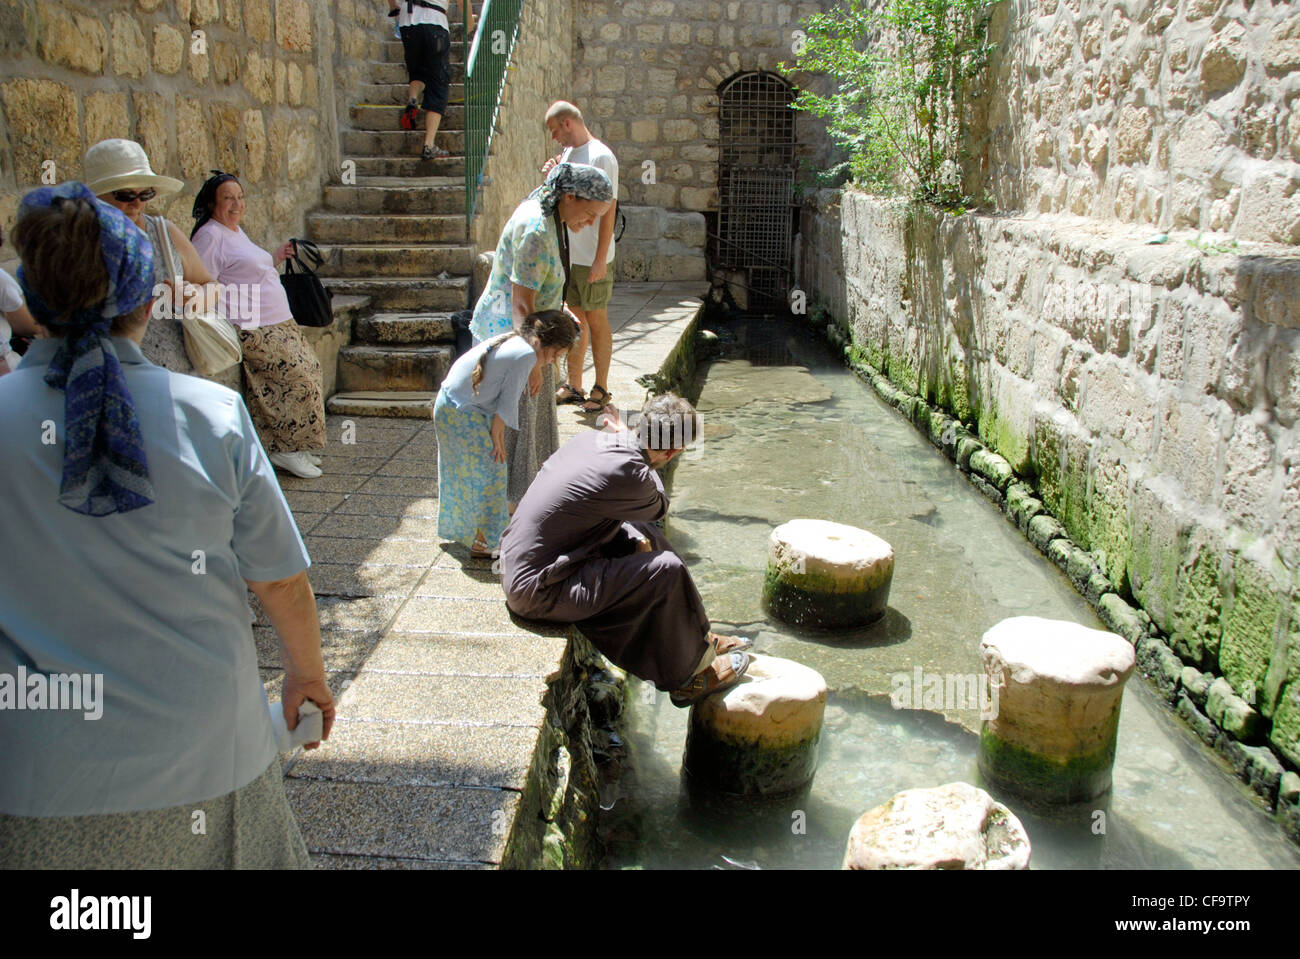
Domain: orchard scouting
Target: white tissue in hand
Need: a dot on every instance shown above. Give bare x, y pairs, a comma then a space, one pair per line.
310, 726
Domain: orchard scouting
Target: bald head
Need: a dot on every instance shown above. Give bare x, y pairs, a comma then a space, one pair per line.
563, 109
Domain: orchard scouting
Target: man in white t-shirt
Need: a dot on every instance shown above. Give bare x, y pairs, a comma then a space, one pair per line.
591, 253
426, 44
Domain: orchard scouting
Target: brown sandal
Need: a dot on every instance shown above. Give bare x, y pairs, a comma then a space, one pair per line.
728, 644
593, 405
722, 674
569, 394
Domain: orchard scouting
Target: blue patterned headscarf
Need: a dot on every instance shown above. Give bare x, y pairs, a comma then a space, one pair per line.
583, 181
104, 466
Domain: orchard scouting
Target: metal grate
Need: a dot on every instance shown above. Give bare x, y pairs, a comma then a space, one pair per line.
756, 149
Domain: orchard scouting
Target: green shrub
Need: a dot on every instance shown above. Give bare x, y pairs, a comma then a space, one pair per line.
904, 72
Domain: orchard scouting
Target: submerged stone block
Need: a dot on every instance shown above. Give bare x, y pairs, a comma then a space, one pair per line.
825, 575
956, 826
1159, 664
1059, 688
1196, 684
1200, 723
760, 737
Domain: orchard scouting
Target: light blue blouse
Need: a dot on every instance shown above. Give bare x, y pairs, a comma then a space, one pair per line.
504, 376
153, 600
528, 253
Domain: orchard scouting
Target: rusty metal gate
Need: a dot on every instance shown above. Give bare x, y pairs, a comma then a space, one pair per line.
756, 167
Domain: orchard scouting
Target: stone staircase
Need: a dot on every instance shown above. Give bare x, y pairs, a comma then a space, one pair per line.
398, 236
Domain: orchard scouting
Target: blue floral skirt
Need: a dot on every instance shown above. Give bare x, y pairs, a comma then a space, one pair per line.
471, 486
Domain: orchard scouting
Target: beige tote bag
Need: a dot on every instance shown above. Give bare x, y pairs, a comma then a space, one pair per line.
211, 342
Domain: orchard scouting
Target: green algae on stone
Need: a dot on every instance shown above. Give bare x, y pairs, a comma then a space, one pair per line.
1249, 628
826, 575
823, 609
748, 768
1048, 779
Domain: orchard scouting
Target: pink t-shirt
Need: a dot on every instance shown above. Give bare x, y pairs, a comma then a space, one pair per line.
251, 294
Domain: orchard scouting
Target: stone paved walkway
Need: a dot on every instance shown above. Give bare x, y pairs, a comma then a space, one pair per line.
438, 686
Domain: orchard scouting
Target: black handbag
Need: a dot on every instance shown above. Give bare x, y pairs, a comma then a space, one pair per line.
309, 300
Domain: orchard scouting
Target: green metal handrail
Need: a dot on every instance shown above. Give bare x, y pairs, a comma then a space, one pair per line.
485, 81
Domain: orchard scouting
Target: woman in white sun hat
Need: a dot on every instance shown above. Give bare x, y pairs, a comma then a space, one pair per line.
118, 172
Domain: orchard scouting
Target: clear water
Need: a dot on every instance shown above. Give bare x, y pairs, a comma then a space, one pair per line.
791, 433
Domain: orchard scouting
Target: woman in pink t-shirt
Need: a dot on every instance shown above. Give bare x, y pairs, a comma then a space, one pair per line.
285, 396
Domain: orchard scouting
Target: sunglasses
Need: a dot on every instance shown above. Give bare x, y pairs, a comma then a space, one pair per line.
130, 196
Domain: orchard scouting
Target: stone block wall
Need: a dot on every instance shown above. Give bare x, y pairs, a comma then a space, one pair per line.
1149, 394
241, 85
661, 244
540, 74
1168, 114
646, 76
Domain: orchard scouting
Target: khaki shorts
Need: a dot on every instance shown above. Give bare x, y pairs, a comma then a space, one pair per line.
589, 296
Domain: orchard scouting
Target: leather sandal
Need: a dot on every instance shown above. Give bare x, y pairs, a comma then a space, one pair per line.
569, 394
722, 674
727, 644
593, 405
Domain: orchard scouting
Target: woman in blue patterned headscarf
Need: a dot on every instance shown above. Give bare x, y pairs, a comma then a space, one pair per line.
104, 465
141, 509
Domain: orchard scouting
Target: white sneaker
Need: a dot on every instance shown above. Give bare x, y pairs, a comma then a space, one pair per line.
296, 463
316, 459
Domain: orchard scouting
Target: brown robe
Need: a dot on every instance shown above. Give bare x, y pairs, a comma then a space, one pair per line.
568, 556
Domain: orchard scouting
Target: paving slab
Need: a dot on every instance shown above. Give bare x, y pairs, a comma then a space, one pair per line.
353, 580
368, 504
374, 551
342, 651
328, 861
455, 824
445, 700
423, 614
464, 582
517, 655
421, 755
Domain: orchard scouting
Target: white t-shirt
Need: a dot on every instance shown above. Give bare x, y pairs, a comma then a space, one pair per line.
419, 14
582, 246
11, 298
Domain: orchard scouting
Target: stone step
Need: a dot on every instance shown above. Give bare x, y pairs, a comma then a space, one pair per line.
398, 92
388, 328
391, 228
372, 116
398, 142
394, 260
448, 200
367, 368
390, 51
410, 167
404, 404
406, 293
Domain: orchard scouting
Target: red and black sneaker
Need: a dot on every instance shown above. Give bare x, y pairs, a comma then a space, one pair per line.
409, 114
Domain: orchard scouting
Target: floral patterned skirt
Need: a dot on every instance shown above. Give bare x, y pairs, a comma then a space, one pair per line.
536, 439
471, 485
285, 396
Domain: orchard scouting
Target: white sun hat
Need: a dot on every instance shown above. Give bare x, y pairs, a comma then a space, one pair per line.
122, 165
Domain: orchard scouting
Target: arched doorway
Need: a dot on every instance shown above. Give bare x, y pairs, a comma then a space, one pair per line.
756, 167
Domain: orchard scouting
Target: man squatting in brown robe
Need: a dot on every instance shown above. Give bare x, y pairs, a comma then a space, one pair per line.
581, 548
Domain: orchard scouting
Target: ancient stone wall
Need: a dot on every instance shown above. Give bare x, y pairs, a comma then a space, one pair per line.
1150, 394
241, 85
540, 74
1181, 114
646, 76
646, 73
